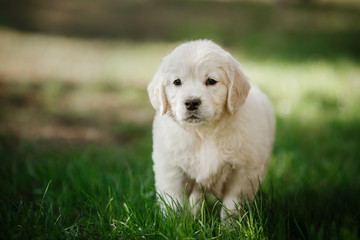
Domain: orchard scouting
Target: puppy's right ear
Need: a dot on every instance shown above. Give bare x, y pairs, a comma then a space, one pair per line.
156, 91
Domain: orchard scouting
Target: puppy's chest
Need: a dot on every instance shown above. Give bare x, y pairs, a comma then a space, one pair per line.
205, 162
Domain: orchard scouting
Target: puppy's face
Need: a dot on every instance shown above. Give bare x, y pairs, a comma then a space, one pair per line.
197, 83
196, 87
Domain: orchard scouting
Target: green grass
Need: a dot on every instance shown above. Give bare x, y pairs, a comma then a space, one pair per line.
99, 192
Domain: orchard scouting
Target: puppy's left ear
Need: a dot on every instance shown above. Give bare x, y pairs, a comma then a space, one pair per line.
156, 91
239, 86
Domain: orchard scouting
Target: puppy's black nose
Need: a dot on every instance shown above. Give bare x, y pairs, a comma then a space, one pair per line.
192, 104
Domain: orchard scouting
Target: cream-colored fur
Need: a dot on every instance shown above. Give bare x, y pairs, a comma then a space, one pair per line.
222, 147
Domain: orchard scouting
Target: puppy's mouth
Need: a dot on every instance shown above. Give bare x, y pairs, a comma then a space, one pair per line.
193, 118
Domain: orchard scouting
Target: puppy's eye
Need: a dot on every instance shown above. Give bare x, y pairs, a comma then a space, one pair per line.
177, 82
210, 81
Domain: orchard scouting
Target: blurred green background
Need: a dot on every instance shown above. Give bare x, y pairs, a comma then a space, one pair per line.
64, 63
74, 108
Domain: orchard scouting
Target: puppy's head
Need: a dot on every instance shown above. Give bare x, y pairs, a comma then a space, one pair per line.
197, 83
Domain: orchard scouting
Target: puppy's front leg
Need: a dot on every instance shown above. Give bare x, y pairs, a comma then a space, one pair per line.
170, 184
195, 199
240, 187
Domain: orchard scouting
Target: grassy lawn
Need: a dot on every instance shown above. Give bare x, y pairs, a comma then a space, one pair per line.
75, 123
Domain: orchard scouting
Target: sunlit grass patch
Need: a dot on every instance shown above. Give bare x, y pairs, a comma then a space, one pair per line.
309, 90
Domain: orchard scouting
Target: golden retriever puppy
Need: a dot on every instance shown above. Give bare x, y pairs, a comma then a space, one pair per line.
213, 131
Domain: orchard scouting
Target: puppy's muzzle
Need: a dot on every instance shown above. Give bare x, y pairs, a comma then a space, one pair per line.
192, 104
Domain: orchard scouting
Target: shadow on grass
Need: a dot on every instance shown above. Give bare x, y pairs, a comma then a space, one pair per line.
287, 32
312, 185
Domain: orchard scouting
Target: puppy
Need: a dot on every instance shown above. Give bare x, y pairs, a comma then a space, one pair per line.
213, 131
